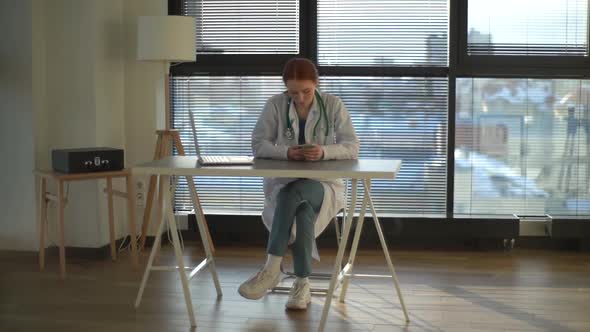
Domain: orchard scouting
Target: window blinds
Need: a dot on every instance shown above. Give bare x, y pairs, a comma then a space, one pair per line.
395, 118
528, 27
522, 146
245, 27
225, 111
382, 32
401, 118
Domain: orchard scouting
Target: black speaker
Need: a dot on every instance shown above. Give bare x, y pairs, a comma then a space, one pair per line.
87, 160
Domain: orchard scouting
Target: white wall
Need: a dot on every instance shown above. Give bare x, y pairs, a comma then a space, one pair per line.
69, 78
71, 105
41, 117
17, 200
109, 73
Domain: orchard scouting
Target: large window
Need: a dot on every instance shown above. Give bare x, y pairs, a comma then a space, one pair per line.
225, 110
395, 118
486, 102
382, 32
401, 118
522, 143
528, 27
245, 27
522, 146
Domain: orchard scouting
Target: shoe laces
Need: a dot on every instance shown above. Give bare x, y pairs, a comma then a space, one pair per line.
261, 275
298, 289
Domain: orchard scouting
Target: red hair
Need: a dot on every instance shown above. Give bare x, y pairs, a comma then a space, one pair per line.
300, 69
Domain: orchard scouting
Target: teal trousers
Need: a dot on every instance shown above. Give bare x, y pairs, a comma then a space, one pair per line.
301, 200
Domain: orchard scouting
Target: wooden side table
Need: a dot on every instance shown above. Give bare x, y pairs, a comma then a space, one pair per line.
60, 179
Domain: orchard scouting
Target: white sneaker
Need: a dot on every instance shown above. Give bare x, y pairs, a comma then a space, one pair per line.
257, 286
299, 295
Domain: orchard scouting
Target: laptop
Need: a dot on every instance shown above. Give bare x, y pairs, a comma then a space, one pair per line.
216, 160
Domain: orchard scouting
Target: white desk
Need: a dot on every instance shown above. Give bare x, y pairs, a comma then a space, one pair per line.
364, 170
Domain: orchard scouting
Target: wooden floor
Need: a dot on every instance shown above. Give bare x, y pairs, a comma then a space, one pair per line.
448, 291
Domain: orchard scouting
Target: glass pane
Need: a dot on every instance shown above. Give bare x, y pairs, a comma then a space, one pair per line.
225, 111
382, 32
245, 27
522, 147
401, 118
395, 118
528, 27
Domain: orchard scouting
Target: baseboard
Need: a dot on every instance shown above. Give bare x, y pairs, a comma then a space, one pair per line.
422, 233
462, 232
408, 233
99, 253
568, 227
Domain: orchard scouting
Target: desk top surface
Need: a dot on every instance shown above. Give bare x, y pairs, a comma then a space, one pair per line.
360, 169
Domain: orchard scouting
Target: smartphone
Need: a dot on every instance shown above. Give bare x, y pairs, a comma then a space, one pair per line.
307, 146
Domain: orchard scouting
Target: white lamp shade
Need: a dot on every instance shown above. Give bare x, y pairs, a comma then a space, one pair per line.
166, 38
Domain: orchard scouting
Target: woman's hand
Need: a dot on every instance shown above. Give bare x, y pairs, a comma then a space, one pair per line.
295, 153
312, 152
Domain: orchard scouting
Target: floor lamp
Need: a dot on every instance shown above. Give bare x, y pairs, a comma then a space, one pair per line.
165, 39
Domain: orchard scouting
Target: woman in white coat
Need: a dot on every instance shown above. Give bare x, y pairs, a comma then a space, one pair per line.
307, 125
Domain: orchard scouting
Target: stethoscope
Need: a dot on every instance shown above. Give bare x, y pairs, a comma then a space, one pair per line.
290, 134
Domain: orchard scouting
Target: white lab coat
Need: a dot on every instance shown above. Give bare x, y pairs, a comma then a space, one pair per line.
269, 141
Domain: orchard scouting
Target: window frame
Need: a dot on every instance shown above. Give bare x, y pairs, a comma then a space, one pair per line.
258, 65
460, 65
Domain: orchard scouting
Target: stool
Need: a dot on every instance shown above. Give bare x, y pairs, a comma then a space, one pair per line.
61, 178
